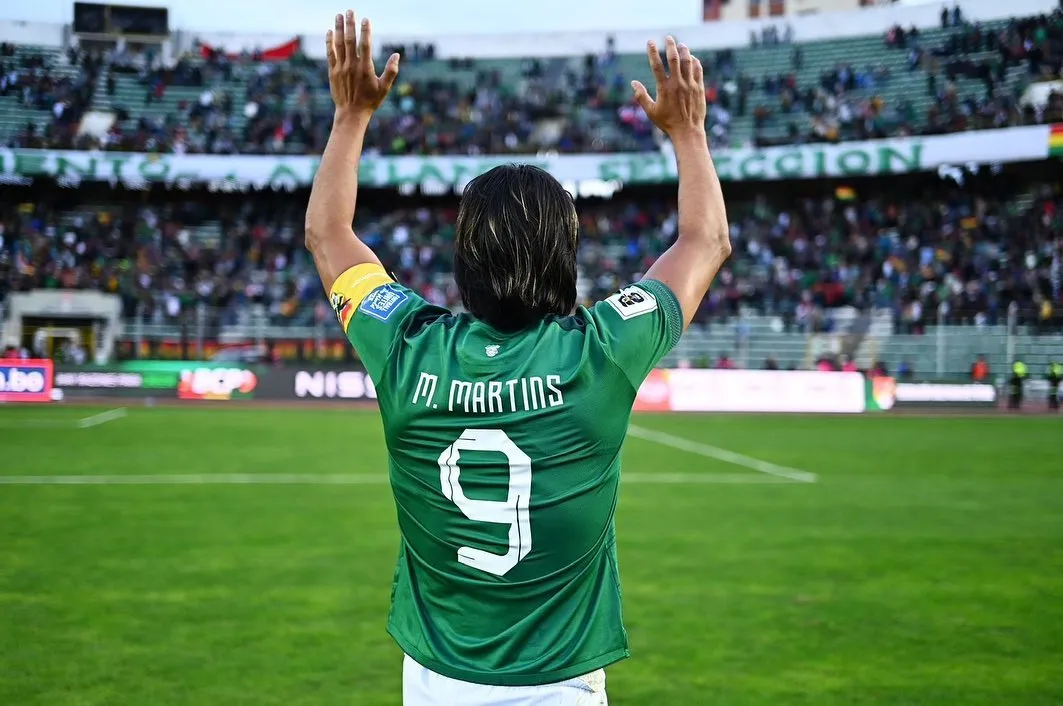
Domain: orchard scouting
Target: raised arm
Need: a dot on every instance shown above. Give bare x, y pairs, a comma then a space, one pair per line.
690, 264
357, 92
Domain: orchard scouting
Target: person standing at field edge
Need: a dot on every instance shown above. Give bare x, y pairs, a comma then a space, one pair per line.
1054, 377
504, 424
1016, 382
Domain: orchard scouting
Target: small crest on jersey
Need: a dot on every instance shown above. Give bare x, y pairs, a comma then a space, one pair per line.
383, 301
341, 304
491, 351
630, 302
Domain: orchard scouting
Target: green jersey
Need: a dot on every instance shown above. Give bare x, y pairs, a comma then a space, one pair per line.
504, 459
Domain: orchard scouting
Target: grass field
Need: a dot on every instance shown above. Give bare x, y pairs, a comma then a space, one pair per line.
924, 566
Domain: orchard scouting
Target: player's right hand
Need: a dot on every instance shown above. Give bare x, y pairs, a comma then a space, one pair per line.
680, 101
352, 78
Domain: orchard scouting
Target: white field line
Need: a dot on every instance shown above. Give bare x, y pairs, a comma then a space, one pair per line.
715, 452
101, 418
701, 479
348, 479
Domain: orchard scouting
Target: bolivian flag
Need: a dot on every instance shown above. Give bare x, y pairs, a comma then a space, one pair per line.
1055, 141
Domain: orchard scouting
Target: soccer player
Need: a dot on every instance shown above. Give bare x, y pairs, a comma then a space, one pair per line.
504, 424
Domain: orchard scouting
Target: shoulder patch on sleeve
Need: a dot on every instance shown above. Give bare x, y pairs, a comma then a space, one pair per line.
632, 301
383, 301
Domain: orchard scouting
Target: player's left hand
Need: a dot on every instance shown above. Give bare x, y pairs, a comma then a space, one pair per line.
352, 78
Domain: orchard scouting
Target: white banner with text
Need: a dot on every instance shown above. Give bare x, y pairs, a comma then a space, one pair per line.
800, 391
813, 161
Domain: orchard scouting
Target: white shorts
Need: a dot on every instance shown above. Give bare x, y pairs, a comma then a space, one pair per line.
423, 687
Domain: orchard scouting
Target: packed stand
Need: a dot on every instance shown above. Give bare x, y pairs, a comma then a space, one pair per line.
261, 107
971, 51
834, 114
963, 259
35, 85
247, 104
952, 255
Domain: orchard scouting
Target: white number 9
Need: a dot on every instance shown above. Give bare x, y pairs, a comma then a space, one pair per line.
512, 511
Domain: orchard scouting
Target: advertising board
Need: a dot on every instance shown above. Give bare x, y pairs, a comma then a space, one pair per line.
923, 393
26, 380
315, 384
184, 379
674, 390
207, 382
885, 393
802, 392
664, 390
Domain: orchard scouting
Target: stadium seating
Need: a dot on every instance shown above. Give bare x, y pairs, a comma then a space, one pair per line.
792, 260
15, 114
237, 260
571, 104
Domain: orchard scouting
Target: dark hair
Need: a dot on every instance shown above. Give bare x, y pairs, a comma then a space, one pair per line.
515, 247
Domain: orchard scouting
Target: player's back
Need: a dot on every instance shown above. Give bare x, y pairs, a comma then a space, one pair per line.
504, 453
505, 466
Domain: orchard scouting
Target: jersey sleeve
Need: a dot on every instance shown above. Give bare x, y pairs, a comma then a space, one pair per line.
374, 312
637, 327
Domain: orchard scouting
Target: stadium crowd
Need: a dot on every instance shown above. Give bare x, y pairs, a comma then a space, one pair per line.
954, 254
961, 255
587, 107
970, 51
34, 84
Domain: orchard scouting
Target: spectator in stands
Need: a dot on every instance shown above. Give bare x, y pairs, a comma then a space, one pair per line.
1045, 313
827, 364
980, 369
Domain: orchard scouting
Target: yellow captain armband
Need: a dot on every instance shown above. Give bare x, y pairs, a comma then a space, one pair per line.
352, 287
